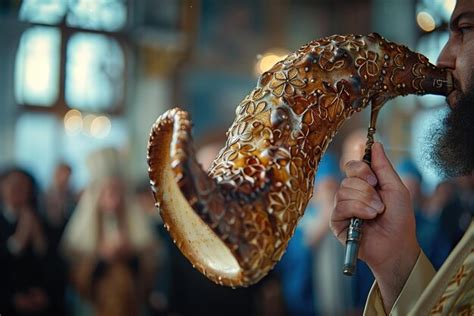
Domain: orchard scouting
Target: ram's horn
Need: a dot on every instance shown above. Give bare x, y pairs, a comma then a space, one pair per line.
234, 222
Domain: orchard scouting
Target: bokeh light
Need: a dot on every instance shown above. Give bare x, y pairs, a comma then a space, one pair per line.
100, 127
88, 119
425, 21
73, 122
270, 58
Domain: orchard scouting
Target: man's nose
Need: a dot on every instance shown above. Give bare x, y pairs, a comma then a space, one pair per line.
447, 57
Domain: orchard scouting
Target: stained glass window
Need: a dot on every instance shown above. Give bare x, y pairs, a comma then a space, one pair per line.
43, 11
37, 66
107, 15
94, 72
103, 15
93, 67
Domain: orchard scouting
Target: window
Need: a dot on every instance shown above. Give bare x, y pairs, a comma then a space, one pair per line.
102, 15
87, 70
107, 15
69, 61
37, 67
94, 72
43, 11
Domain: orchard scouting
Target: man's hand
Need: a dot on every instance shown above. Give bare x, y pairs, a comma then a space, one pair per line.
388, 244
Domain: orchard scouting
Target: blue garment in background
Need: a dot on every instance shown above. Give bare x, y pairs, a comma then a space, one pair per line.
296, 277
433, 241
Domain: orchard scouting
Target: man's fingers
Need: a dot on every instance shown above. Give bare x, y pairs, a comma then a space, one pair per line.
359, 185
371, 200
339, 229
361, 170
345, 210
383, 169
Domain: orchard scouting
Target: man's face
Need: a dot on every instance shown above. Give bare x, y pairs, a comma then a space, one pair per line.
453, 141
458, 54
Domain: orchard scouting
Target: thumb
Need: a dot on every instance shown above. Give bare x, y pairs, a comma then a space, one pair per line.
386, 175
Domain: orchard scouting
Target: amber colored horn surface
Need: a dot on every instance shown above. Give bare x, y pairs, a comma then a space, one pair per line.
234, 222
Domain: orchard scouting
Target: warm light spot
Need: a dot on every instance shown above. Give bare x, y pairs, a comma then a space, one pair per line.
87, 124
100, 127
72, 113
449, 5
425, 21
270, 58
73, 122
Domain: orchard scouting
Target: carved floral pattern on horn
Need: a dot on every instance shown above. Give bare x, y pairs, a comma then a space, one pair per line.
234, 222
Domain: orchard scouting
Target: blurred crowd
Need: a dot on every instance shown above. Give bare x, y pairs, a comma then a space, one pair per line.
104, 251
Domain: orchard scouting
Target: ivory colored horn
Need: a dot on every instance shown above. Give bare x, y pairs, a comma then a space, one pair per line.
234, 222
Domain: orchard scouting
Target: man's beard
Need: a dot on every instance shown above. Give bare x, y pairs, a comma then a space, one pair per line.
452, 139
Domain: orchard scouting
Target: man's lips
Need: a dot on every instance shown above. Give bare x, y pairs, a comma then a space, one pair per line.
451, 99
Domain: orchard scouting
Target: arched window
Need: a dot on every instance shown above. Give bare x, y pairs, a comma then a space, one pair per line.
70, 75
72, 56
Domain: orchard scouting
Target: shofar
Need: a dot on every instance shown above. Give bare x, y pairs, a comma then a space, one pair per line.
234, 222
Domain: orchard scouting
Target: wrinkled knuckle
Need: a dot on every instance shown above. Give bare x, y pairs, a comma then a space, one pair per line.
346, 182
362, 168
357, 168
366, 196
339, 196
359, 206
337, 211
351, 164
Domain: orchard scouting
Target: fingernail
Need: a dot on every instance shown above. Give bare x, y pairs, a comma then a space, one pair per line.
371, 210
372, 180
377, 205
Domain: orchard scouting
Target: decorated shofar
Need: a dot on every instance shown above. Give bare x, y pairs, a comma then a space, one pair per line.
234, 222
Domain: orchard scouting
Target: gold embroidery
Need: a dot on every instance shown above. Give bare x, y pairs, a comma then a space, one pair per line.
458, 277
458, 298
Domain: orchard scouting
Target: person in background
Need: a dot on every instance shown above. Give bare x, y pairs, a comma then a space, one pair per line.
60, 201
412, 179
295, 271
428, 227
23, 248
457, 212
332, 291
159, 296
109, 243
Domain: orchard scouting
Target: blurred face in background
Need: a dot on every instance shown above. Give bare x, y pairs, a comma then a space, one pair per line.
16, 191
62, 176
111, 200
